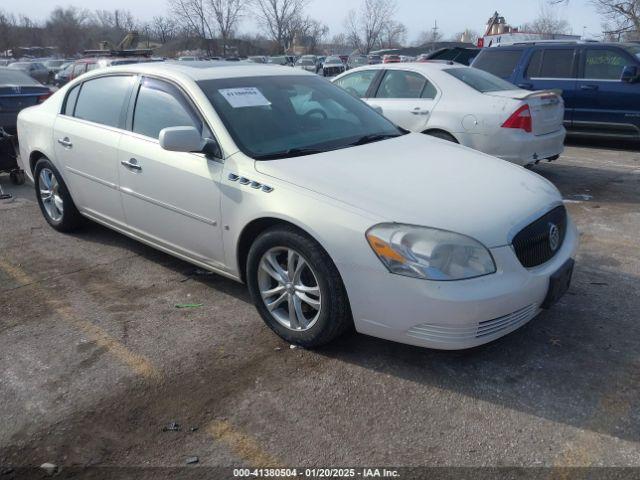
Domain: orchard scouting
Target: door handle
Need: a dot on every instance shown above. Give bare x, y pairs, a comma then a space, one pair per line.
589, 87
65, 142
419, 111
131, 164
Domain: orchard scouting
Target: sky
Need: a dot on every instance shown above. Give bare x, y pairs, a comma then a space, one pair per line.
452, 16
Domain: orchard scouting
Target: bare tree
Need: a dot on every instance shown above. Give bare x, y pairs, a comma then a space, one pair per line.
277, 17
429, 36
622, 16
163, 29
393, 35
226, 14
547, 23
365, 27
194, 16
66, 28
308, 31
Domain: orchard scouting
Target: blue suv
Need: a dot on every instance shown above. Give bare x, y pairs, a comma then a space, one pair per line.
600, 81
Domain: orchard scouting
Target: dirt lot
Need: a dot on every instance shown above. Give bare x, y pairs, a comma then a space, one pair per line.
97, 361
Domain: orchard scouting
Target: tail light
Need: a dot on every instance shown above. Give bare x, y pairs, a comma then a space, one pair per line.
43, 97
521, 120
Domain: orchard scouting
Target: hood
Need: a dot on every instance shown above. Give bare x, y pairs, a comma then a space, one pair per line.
420, 180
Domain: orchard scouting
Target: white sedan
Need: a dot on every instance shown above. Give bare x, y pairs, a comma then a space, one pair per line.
464, 105
331, 215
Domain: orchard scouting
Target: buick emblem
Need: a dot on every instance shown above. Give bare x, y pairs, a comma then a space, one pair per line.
554, 237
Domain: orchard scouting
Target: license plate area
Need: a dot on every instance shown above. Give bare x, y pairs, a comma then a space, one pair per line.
559, 284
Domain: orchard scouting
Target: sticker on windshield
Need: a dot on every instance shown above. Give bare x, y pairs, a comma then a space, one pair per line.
244, 97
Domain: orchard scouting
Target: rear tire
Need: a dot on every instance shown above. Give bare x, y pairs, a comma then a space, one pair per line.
442, 135
287, 271
54, 199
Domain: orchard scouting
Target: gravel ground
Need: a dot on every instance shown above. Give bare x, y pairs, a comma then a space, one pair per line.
97, 363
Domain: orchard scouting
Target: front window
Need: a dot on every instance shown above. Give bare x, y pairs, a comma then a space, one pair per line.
603, 64
480, 80
634, 50
285, 116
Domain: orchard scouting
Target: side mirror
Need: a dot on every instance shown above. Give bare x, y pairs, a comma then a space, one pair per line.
630, 74
181, 139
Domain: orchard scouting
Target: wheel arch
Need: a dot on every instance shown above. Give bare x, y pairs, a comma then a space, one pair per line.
430, 131
254, 228
33, 159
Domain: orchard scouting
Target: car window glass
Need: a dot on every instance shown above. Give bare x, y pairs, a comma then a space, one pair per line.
101, 100
533, 70
357, 83
71, 100
604, 64
16, 77
500, 62
429, 91
157, 96
480, 80
78, 69
401, 84
557, 63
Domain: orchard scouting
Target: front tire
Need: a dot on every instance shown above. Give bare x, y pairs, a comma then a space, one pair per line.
54, 199
296, 288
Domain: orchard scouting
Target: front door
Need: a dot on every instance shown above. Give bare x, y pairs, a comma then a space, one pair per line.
604, 101
170, 198
406, 98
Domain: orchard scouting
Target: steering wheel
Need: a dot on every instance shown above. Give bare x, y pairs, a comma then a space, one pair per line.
314, 111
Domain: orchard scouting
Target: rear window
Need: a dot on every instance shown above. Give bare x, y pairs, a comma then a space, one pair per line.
101, 100
15, 77
480, 80
497, 61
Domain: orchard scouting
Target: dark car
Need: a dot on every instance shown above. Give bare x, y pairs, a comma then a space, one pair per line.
17, 91
462, 55
35, 70
600, 82
63, 76
333, 66
280, 60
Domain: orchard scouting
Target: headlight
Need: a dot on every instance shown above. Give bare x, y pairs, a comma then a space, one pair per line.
429, 253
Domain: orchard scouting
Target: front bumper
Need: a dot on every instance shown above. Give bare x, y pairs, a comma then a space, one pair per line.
452, 315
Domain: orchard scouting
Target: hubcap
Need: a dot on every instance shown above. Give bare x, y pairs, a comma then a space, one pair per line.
289, 288
50, 194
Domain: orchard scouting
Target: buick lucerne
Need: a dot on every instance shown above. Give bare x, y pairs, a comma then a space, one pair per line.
332, 215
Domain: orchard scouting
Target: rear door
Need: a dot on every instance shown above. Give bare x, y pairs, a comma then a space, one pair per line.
553, 69
87, 134
604, 102
170, 198
406, 98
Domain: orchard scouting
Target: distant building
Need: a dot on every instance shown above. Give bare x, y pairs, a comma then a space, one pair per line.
499, 32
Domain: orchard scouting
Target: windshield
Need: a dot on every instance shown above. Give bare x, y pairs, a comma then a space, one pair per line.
634, 50
333, 60
273, 117
480, 80
306, 61
358, 61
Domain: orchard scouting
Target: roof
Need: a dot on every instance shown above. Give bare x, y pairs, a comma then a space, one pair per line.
208, 70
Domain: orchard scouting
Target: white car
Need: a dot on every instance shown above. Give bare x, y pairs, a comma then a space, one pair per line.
464, 105
332, 215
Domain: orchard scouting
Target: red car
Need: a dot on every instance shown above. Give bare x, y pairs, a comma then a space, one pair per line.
391, 59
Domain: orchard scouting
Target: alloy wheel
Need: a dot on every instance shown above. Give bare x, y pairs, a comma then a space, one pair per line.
289, 288
50, 195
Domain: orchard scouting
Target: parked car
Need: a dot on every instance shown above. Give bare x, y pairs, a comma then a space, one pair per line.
462, 55
189, 58
356, 61
391, 59
17, 91
258, 59
91, 63
374, 59
406, 237
464, 105
56, 65
333, 66
280, 60
600, 82
308, 63
63, 76
35, 70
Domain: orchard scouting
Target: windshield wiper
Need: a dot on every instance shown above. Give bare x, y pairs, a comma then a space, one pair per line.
373, 138
292, 152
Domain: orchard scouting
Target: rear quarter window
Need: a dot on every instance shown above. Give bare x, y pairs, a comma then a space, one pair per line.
497, 61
